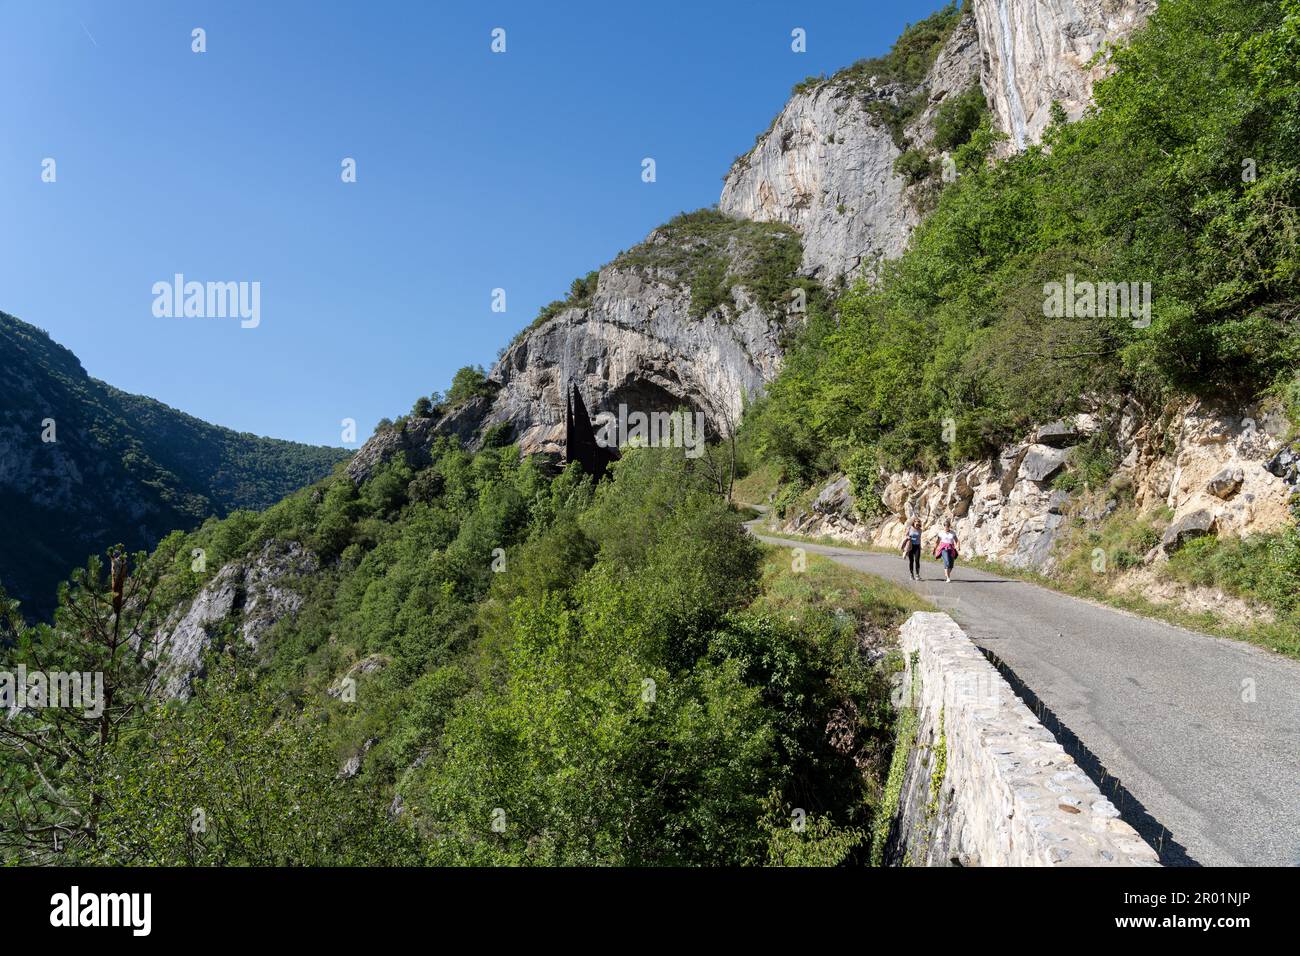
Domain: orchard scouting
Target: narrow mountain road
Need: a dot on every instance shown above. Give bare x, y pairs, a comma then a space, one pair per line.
1196, 739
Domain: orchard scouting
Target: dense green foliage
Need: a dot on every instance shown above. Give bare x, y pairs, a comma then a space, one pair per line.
136, 468
1152, 186
957, 119
553, 673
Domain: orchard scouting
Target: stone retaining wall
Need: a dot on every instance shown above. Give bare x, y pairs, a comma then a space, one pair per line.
987, 784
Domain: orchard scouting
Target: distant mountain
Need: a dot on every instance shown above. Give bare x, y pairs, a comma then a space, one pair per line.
120, 468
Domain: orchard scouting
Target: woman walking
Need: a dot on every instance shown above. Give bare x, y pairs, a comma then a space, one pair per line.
945, 547
911, 547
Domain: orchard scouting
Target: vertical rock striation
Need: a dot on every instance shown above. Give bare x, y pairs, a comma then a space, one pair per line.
1036, 52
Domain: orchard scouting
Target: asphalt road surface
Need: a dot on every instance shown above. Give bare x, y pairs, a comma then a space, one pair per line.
1196, 739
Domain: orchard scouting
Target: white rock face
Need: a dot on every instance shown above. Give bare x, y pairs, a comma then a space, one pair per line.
254, 593
827, 168
636, 344
1007, 793
1038, 51
1208, 443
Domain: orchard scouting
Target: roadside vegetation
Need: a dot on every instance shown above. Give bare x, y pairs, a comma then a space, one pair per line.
1184, 175
546, 672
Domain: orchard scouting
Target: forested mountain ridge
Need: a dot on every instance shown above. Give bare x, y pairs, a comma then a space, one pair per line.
84, 465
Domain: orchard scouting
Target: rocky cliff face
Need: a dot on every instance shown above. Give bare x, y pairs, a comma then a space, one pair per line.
680, 321
826, 166
1035, 52
826, 169
1216, 471
245, 598
635, 344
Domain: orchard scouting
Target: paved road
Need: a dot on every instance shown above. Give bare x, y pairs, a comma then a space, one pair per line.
1154, 713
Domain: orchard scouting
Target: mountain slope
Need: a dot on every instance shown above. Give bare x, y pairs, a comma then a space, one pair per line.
120, 468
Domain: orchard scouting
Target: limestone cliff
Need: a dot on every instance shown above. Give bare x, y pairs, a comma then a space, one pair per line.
826, 165
691, 318
1036, 52
686, 319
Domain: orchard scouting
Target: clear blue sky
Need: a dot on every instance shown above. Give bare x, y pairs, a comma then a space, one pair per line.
475, 171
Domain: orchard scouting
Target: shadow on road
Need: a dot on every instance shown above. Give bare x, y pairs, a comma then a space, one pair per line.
1131, 810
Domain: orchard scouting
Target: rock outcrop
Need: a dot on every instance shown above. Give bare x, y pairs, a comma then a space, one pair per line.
1209, 467
826, 166
640, 340
1037, 52
826, 169
415, 436
245, 598
635, 345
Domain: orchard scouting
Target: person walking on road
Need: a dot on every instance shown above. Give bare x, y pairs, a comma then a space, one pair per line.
911, 548
945, 548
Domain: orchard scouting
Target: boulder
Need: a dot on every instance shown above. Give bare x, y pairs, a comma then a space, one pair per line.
1041, 462
1285, 465
836, 498
1192, 525
896, 495
1226, 482
1059, 434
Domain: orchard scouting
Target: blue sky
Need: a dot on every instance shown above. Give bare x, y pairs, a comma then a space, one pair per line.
475, 171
